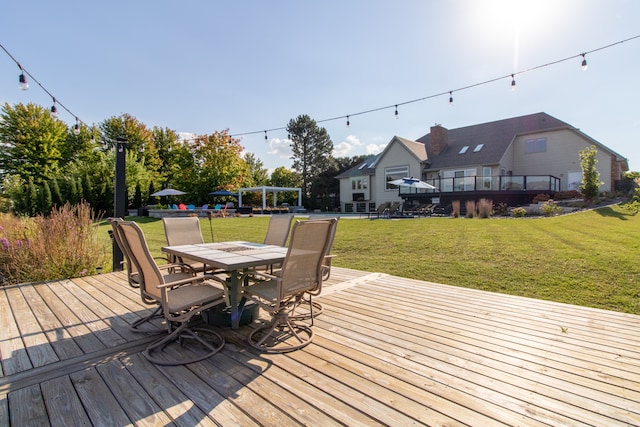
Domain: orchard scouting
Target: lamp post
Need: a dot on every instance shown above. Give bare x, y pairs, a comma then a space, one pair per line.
119, 195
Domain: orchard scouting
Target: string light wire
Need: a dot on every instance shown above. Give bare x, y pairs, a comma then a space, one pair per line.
372, 110
450, 92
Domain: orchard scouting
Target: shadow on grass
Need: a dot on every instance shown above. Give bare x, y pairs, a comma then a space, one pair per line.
621, 214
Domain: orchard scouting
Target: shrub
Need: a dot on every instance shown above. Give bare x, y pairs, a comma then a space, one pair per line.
567, 195
62, 245
485, 208
502, 209
455, 208
470, 206
518, 212
550, 208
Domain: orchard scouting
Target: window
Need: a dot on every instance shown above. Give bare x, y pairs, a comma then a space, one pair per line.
463, 149
359, 183
538, 145
391, 174
478, 148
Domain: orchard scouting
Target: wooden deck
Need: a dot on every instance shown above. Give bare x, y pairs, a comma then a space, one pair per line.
388, 351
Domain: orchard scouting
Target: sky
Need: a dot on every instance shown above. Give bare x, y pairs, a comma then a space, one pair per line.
200, 66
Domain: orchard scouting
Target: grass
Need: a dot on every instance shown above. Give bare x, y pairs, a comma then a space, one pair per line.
588, 258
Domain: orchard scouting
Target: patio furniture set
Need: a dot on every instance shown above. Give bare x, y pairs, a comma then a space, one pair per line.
198, 277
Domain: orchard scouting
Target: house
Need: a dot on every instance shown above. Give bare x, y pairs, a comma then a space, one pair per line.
510, 161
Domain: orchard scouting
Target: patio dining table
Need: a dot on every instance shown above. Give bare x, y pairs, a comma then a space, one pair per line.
235, 258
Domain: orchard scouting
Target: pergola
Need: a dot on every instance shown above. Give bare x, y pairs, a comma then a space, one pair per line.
265, 190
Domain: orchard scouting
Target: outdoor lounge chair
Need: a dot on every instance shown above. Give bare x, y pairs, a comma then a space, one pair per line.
301, 272
394, 209
380, 211
181, 296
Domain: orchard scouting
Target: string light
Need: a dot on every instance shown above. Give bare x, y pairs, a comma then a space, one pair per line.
22, 79
24, 85
54, 110
265, 136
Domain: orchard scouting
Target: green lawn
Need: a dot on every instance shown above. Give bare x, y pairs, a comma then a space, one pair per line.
589, 258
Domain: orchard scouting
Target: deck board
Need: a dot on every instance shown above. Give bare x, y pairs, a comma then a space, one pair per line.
387, 351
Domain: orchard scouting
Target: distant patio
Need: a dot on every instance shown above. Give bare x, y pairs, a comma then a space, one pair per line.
387, 351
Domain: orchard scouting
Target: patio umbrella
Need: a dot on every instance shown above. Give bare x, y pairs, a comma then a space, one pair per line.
223, 193
412, 182
168, 192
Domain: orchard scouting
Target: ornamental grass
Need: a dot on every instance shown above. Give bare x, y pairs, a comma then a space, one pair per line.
64, 244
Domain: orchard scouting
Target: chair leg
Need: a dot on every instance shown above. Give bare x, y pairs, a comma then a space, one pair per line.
315, 309
183, 334
156, 314
273, 337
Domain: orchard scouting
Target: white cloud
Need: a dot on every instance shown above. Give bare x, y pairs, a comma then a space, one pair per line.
375, 148
280, 147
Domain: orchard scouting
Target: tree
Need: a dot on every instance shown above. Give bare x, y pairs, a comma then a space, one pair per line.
283, 177
258, 173
590, 184
311, 147
31, 142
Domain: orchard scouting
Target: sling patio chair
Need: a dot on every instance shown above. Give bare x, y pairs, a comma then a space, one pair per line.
132, 273
180, 299
278, 229
382, 209
184, 231
316, 308
170, 270
301, 272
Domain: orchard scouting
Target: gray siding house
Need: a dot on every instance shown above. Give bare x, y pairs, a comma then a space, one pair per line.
510, 161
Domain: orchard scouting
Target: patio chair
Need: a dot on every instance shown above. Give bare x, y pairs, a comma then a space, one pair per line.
133, 278
393, 209
184, 231
278, 230
316, 308
380, 211
301, 272
181, 296
326, 263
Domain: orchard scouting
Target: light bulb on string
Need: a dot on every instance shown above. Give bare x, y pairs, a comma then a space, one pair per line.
54, 109
450, 98
24, 85
513, 82
396, 113
266, 138
584, 62
348, 122
76, 127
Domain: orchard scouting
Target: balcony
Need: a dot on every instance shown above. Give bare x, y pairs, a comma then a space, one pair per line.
499, 183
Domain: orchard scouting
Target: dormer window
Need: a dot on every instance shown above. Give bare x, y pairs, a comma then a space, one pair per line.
463, 149
478, 148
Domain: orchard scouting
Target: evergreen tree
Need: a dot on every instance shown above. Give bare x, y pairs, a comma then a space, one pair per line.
590, 185
46, 202
312, 150
56, 196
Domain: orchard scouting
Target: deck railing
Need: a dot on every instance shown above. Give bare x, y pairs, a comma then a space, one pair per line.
488, 183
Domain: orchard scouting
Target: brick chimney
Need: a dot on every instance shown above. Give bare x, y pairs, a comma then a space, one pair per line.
439, 139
